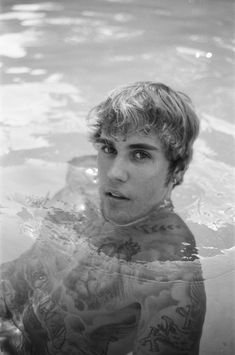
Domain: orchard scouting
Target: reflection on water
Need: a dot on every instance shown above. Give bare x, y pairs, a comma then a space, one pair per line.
59, 59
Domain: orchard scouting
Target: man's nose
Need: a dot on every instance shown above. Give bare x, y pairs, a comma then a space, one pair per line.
118, 170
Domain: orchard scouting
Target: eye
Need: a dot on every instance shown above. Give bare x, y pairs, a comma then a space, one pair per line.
141, 155
108, 149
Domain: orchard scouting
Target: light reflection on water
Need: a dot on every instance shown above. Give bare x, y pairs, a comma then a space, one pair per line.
59, 59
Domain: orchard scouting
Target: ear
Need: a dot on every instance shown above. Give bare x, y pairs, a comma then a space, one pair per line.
177, 176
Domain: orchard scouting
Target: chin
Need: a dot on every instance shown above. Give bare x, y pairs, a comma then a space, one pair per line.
115, 218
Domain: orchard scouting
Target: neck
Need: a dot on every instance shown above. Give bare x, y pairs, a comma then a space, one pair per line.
164, 206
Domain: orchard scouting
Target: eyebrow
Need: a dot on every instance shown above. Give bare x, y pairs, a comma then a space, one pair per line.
103, 141
131, 146
143, 146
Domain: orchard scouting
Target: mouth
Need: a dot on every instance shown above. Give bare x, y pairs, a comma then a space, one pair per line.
116, 195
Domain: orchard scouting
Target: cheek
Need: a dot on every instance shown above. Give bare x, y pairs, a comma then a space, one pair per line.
151, 187
101, 167
146, 186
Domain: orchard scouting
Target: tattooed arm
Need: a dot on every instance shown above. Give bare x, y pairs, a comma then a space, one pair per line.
172, 319
13, 295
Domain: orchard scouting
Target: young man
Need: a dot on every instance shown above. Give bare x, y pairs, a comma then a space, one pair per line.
126, 280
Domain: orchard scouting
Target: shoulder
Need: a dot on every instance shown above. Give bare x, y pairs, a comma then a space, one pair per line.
174, 226
180, 236
168, 237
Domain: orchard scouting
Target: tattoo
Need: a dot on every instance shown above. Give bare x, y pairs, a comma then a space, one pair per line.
54, 321
13, 287
167, 332
124, 251
149, 229
128, 249
91, 288
126, 320
151, 340
60, 216
185, 332
35, 332
188, 314
53, 328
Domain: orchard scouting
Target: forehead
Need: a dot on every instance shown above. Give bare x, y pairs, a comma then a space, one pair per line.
134, 139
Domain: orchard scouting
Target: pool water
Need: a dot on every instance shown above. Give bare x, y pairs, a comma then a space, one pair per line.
60, 58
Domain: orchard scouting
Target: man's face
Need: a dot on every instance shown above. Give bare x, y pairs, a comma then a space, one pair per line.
132, 176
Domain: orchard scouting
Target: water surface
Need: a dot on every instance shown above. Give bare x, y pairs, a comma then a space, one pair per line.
60, 58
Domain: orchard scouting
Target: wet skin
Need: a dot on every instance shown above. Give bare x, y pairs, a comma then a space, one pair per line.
135, 288
132, 177
140, 289
129, 283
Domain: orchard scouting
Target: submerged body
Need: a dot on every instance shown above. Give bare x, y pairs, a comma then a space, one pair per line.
128, 280
97, 293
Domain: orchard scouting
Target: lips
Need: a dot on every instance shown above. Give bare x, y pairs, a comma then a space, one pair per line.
114, 194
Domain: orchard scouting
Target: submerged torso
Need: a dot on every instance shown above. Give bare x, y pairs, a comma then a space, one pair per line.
90, 286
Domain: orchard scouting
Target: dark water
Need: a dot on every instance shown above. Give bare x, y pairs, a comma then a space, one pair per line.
60, 58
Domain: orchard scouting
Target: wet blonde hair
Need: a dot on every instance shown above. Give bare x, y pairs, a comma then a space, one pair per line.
146, 108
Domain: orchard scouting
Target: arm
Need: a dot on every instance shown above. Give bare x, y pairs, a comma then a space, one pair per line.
172, 319
12, 289
13, 295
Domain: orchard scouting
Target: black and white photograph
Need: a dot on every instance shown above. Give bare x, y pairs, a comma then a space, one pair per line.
117, 199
